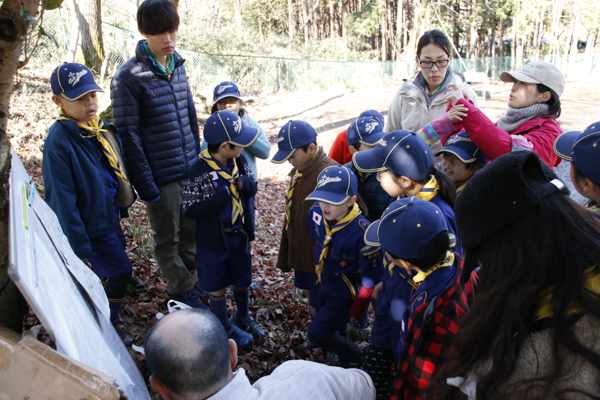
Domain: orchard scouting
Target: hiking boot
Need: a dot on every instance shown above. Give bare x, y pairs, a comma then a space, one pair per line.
241, 338
192, 299
333, 358
247, 324
306, 346
125, 338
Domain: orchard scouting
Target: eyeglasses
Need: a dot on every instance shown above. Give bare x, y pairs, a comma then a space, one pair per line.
438, 63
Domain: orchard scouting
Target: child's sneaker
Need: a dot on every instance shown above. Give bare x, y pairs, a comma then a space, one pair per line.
333, 358
241, 338
248, 324
306, 346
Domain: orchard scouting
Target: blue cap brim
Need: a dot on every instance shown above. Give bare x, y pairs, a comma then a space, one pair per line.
462, 155
282, 156
225, 95
367, 161
247, 136
372, 140
81, 91
372, 234
563, 145
328, 197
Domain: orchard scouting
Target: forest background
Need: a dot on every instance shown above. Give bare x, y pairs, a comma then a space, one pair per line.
219, 33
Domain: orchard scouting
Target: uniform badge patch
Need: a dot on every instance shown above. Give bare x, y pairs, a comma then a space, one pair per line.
317, 218
213, 175
343, 263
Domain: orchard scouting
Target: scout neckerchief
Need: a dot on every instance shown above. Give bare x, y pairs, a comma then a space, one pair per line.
422, 275
289, 193
429, 191
591, 205
168, 70
362, 176
94, 128
237, 208
351, 216
545, 304
460, 188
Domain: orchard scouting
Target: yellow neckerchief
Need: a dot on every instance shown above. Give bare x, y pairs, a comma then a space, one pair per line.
95, 129
422, 275
237, 208
460, 188
591, 205
351, 216
362, 176
429, 191
545, 304
289, 193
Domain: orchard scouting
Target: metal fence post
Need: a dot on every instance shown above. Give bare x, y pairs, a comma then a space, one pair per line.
278, 77
232, 70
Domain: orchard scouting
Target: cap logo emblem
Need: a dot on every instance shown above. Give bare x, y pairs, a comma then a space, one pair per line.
74, 77
370, 126
327, 179
382, 142
237, 125
220, 89
280, 139
457, 138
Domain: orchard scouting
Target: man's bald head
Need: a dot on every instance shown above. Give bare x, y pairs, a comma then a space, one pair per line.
188, 351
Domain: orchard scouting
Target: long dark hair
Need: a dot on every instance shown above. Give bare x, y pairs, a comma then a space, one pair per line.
447, 187
551, 246
436, 37
553, 103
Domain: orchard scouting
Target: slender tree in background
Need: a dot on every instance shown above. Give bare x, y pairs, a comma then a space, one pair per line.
86, 45
13, 29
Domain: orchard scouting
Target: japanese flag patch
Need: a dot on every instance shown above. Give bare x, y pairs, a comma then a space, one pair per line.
317, 218
213, 175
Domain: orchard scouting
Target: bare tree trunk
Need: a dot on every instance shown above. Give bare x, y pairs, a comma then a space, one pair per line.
332, 32
557, 9
383, 7
575, 40
133, 6
291, 18
237, 10
12, 31
344, 18
399, 19
90, 48
411, 47
304, 9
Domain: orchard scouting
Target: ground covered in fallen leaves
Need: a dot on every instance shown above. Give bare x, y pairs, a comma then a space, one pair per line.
276, 304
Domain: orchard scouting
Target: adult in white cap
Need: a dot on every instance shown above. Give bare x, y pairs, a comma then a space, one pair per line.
529, 123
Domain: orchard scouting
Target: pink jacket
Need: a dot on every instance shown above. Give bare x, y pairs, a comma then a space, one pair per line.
494, 142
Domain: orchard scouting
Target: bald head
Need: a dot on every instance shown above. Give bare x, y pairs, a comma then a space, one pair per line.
188, 351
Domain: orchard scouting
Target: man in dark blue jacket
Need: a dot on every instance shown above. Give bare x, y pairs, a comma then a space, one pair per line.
154, 111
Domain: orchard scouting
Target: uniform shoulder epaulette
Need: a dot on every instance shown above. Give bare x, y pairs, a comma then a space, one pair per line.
363, 223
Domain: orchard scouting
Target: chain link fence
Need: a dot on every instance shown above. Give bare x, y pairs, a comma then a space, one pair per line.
264, 74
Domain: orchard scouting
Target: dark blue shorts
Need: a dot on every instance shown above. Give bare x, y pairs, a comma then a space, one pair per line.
217, 271
109, 259
307, 281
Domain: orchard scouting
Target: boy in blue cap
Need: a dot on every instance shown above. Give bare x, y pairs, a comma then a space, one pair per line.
347, 269
339, 150
85, 181
363, 134
414, 235
218, 193
297, 142
226, 96
461, 159
582, 149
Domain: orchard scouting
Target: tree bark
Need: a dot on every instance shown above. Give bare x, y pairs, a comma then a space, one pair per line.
332, 32
237, 10
291, 18
344, 18
90, 48
13, 30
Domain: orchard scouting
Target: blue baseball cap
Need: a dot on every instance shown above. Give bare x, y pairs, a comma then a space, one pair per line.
463, 147
291, 136
72, 81
583, 149
402, 152
406, 228
367, 131
227, 126
335, 186
373, 114
226, 89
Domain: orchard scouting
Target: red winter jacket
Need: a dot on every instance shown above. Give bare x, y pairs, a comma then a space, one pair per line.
339, 149
494, 142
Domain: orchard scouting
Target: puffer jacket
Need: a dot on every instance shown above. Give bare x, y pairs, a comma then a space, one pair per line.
410, 108
156, 118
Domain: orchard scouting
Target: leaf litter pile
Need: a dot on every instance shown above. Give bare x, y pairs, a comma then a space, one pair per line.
276, 304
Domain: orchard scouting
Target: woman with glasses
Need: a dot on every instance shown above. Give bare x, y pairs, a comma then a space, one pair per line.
421, 99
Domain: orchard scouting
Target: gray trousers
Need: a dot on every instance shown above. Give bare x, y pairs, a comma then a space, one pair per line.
174, 238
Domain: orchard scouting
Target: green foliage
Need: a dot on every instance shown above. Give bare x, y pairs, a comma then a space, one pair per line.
366, 21
52, 4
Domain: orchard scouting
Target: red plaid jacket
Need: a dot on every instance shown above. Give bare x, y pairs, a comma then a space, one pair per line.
435, 330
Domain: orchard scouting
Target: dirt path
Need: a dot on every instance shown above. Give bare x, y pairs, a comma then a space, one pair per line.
331, 112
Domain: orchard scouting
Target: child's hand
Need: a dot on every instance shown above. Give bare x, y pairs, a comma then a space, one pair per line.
453, 94
376, 290
457, 113
239, 183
